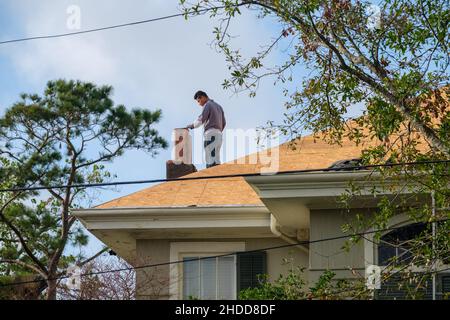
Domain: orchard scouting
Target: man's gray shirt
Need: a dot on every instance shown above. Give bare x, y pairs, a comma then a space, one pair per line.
212, 116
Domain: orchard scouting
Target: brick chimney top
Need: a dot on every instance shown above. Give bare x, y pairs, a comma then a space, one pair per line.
174, 170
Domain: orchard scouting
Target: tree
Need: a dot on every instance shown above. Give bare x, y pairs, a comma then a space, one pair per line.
393, 60
110, 278
292, 286
62, 138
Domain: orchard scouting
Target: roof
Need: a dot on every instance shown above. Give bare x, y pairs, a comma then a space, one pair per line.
309, 153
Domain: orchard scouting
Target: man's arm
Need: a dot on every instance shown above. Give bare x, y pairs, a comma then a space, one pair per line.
197, 123
201, 119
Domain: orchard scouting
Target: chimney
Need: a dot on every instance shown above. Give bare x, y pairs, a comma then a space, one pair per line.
181, 163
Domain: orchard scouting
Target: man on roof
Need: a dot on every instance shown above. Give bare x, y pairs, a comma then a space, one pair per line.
213, 119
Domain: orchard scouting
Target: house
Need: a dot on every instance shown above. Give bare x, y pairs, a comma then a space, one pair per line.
179, 221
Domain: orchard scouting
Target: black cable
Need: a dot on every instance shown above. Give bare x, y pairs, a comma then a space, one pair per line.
115, 26
349, 168
216, 256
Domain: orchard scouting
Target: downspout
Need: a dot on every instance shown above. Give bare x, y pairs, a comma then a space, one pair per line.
274, 229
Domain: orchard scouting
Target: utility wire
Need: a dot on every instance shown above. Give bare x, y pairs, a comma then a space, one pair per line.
359, 234
347, 168
192, 12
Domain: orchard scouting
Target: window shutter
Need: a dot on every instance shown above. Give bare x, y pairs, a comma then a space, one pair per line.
249, 266
390, 289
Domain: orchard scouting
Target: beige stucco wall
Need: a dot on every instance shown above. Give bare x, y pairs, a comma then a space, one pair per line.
153, 283
275, 257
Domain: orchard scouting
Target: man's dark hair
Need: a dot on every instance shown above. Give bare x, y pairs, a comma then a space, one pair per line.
199, 94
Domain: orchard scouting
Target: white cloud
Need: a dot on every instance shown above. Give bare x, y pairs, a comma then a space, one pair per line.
67, 58
156, 65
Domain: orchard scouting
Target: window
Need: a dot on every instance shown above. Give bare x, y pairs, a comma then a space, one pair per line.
211, 278
397, 243
216, 278
216, 275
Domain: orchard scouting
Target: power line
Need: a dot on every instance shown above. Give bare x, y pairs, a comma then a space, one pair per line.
67, 34
218, 256
104, 184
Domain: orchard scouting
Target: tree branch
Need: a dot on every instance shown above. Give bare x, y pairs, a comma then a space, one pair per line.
24, 264
23, 242
93, 257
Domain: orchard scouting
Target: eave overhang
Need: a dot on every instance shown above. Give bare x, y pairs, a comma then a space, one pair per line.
290, 197
120, 228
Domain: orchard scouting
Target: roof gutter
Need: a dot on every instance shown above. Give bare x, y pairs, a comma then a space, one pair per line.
166, 211
312, 177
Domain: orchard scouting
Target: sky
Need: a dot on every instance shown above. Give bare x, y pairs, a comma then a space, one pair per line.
155, 66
